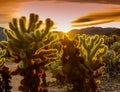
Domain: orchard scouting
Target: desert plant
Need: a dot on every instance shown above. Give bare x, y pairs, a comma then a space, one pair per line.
82, 61
73, 66
55, 67
92, 48
109, 40
116, 46
112, 63
28, 42
4, 73
112, 58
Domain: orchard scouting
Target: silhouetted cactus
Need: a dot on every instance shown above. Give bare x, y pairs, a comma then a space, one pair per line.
73, 66
4, 72
29, 43
82, 61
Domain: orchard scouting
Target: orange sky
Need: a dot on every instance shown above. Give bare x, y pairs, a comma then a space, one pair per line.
60, 11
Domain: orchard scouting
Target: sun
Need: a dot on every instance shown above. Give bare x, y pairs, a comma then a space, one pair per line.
62, 26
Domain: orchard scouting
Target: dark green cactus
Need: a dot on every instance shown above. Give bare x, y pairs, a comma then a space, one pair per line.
109, 40
116, 46
28, 41
112, 66
112, 58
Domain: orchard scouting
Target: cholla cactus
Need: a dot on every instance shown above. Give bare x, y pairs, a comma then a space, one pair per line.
82, 61
4, 72
73, 66
92, 49
116, 46
109, 40
23, 40
28, 42
112, 58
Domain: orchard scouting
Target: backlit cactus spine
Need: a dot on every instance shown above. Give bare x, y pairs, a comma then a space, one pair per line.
82, 61
4, 73
28, 42
92, 48
2, 59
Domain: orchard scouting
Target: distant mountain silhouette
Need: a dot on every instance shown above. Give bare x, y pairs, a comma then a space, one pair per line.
96, 30
2, 36
89, 30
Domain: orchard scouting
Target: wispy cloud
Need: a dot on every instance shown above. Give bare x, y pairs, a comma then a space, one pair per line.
97, 18
8, 8
89, 1
17, 0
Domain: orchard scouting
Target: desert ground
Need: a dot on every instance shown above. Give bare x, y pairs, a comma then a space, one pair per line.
107, 84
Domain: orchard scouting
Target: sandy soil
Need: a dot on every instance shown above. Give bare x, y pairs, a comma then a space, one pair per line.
15, 81
107, 84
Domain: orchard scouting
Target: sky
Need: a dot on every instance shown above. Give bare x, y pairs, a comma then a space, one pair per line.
67, 14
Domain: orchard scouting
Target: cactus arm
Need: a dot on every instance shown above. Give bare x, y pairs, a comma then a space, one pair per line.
2, 59
22, 23
95, 49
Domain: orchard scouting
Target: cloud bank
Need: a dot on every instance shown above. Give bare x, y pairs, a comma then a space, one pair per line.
97, 18
9, 7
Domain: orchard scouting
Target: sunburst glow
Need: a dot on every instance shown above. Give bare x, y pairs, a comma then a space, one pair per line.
63, 26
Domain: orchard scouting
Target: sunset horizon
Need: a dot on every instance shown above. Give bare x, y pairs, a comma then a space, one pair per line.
61, 12
59, 45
